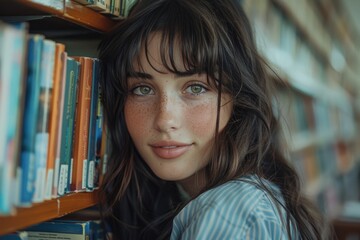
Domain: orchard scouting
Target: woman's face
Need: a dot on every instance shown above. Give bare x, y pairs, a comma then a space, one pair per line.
171, 119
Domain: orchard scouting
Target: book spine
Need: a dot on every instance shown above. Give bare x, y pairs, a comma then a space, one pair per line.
19, 235
98, 5
100, 141
54, 119
60, 124
60, 230
81, 138
84, 2
12, 59
72, 68
92, 128
27, 159
42, 134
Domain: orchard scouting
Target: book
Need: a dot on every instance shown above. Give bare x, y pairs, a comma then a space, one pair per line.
54, 117
26, 167
60, 124
68, 120
61, 229
13, 46
117, 6
84, 2
100, 144
92, 127
97, 5
98, 231
108, 5
42, 129
20, 235
82, 122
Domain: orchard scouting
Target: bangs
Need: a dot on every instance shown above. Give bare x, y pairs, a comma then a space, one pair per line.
187, 29
184, 32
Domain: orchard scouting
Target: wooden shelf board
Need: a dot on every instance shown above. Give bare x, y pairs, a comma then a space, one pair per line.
84, 16
77, 201
66, 10
47, 210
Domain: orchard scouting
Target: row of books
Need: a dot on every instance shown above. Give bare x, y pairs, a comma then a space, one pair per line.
60, 229
283, 42
306, 16
320, 121
317, 113
319, 135
117, 9
51, 137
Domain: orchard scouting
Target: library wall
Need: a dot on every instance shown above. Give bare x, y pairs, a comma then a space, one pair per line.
311, 46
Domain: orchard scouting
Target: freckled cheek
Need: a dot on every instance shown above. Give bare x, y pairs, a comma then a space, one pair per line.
137, 116
202, 119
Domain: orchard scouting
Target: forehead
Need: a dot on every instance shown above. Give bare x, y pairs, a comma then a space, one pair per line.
158, 54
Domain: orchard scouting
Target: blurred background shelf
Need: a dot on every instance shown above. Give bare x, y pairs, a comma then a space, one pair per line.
314, 47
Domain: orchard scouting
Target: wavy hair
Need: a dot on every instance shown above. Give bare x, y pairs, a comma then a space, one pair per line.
215, 37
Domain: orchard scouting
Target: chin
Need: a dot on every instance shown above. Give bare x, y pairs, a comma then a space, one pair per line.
169, 176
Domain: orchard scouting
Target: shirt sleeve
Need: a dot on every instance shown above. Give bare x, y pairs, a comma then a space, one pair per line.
205, 225
260, 221
264, 223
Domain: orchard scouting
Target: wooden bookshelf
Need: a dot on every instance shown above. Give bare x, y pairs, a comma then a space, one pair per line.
59, 18
47, 210
68, 11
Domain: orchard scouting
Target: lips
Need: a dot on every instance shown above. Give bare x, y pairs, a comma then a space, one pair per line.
169, 149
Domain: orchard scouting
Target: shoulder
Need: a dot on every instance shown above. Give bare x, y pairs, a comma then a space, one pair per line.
233, 208
239, 197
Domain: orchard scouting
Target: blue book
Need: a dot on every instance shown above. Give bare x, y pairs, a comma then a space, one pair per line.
92, 127
70, 230
42, 127
97, 229
68, 121
21, 235
12, 63
27, 159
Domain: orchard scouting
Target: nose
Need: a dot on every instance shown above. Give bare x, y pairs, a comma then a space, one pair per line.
168, 116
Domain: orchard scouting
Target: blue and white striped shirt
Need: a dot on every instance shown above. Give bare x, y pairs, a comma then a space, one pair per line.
234, 210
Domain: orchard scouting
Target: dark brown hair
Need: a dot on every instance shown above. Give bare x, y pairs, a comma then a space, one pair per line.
214, 36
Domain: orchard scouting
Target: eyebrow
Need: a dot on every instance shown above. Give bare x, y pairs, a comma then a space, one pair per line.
144, 75
140, 75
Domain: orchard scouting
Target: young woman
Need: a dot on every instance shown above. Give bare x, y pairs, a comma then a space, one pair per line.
195, 150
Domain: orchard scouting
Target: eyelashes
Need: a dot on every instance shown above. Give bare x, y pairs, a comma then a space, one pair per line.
196, 89
142, 90
192, 89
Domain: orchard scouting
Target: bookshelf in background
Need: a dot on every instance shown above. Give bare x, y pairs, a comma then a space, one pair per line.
319, 102
53, 23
